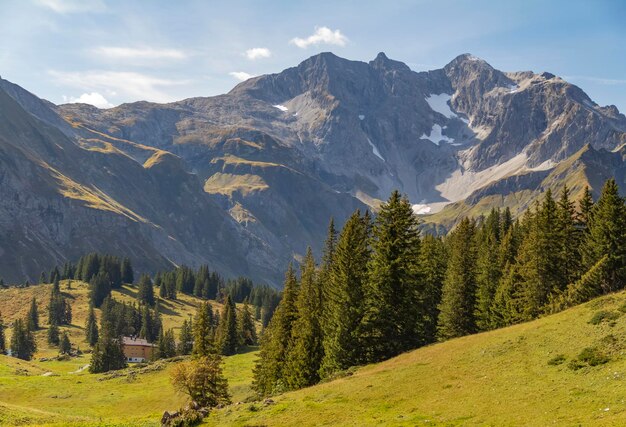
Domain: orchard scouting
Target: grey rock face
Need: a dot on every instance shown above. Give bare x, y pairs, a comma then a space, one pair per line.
246, 180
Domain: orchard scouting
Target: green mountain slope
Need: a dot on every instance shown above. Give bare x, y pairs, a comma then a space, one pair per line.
527, 374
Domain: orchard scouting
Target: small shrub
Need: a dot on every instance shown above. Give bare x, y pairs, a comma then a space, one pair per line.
593, 356
602, 315
575, 365
557, 360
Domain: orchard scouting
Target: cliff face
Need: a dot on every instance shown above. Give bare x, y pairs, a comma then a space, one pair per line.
244, 181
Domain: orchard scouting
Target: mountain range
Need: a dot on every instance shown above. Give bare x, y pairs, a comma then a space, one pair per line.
246, 180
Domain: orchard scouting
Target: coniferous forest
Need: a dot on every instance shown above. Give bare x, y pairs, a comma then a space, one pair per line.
381, 288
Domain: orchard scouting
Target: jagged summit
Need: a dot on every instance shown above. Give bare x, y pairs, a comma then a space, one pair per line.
268, 164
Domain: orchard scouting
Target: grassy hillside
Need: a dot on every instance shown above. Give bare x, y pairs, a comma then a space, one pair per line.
64, 393
537, 373
528, 374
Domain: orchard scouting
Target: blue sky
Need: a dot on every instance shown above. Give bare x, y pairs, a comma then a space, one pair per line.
107, 52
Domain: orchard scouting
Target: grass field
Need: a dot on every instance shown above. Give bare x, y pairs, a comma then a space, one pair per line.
527, 374
60, 393
535, 374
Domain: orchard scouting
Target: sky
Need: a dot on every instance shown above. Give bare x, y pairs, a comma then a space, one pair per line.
107, 52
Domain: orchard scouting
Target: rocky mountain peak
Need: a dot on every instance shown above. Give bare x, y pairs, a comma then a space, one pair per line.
383, 63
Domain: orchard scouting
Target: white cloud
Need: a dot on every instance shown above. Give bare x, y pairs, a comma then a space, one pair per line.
73, 6
126, 53
258, 52
241, 75
125, 83
93, 98
322, 35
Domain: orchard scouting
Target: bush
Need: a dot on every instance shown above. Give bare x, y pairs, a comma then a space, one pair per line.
593, 356
202, 380
557, 360
602, 315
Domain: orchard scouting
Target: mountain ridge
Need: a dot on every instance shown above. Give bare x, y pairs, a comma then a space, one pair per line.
281, 154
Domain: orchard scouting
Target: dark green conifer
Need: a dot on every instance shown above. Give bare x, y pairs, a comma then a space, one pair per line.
53, 334
344, 296
204, 331
392, 320
246, 329
91, 327
458, 300
270, 366
33, 316
305, 354
227, 332
23, 344
108, 353
3, 340
145, 294
185, 339
607, 237
65, 346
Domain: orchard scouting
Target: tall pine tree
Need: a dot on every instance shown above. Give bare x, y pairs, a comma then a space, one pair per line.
270, 367
458, 301
394, 293
344, 302
305, 353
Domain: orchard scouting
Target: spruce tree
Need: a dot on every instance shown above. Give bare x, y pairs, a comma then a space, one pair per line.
433, 260
569, 239
458, 300
185, 339
306, 351
33, 316
145, 294
3, 340
65, 346
539, 258
23, 344
488, 270
166, 345
246, 329
324, 277
91, 327
204, 331
227, 333
344, 297
607, 237
53, 334
108, 353
99, 288
394, 293
147, 325
585, 208
270, 366
127, 273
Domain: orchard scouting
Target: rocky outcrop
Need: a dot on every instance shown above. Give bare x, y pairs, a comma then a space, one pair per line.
246, 180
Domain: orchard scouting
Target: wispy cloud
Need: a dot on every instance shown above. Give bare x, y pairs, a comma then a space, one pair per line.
93, 98
322, 35
599, 80
241, 75
126, 83
258, 53
73, 6
145, 53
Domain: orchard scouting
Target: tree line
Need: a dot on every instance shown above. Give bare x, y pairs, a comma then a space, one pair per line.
381, 288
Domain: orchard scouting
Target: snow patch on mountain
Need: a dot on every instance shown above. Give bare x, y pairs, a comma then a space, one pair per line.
375, 150
421, 209
439, 104
436, 135
281, 107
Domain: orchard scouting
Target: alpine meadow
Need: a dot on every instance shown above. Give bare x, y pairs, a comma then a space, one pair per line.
191, 236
